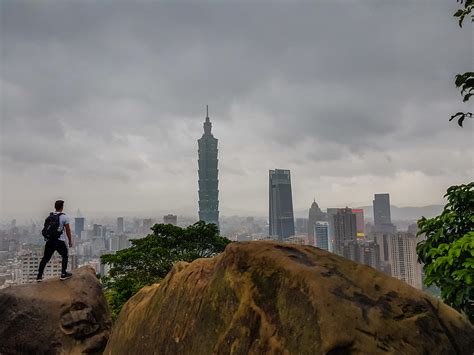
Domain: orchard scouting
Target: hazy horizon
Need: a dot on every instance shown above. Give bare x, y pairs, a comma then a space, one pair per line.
399, 213
102, 103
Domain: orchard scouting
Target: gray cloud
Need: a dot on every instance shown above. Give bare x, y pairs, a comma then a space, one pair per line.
108, 97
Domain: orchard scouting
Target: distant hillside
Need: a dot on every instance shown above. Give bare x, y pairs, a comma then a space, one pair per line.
407, 213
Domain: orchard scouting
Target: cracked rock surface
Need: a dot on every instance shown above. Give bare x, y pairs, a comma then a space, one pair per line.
55, 317
271, 298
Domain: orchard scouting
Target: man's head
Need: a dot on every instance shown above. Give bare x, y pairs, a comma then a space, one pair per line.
59, 205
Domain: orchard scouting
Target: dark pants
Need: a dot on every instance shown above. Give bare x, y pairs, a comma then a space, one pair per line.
49, 249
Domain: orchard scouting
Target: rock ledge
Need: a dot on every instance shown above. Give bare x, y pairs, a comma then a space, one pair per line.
265, 297
55, 317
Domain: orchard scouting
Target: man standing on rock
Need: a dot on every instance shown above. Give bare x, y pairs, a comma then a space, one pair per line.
56, 228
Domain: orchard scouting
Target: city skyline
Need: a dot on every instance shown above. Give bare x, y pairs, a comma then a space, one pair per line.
126, 118
287, 168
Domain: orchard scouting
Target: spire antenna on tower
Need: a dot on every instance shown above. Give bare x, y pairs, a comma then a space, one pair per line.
207, 111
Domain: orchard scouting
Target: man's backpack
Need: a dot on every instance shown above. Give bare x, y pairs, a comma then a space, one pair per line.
52, 228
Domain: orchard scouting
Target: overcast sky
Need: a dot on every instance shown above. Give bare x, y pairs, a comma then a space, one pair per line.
102, 102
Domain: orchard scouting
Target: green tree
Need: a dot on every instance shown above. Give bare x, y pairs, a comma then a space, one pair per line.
464, 82
149, 259
448, 250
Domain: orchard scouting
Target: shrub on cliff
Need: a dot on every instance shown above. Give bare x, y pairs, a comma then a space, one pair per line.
149, 259
448, 251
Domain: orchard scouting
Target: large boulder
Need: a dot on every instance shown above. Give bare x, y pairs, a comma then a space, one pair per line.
265, 297
55, 317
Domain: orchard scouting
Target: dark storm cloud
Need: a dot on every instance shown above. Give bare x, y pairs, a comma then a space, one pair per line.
337, 88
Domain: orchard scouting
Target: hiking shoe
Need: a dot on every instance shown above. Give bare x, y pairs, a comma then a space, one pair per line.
65, 276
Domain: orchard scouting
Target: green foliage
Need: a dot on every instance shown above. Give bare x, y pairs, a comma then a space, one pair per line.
448, 251
464, 82
465, 11
149, 259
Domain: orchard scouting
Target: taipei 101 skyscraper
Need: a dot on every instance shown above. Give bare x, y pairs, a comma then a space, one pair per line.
208, 175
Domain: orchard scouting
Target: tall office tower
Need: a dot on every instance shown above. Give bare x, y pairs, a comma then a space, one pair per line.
120, 225
208, 175
170, 219
315, 215
345, 229
382, 218
404, 260
321, 235
281, 219
78, 226
359, 222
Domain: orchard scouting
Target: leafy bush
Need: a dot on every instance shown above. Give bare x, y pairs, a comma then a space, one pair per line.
448, 251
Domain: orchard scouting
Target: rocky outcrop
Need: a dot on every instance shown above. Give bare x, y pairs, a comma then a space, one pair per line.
265, 297
55, 317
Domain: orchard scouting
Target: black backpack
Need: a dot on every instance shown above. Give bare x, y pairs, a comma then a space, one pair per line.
51, 228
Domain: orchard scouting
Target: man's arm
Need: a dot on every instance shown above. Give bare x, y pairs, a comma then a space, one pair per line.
68, 233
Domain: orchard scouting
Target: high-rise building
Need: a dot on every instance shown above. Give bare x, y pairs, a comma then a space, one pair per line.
170, 219
360, 224
120, 225
321, 235
404, 259
345, 229
382, 217
281, 218
315, 215
208, 175
78, 226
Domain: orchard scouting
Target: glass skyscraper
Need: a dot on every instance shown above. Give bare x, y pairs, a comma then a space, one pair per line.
321, 235
78, 226
382, 218
208, 175
281, 219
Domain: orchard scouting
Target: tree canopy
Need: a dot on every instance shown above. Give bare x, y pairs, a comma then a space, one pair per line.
149, 259
448, 250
